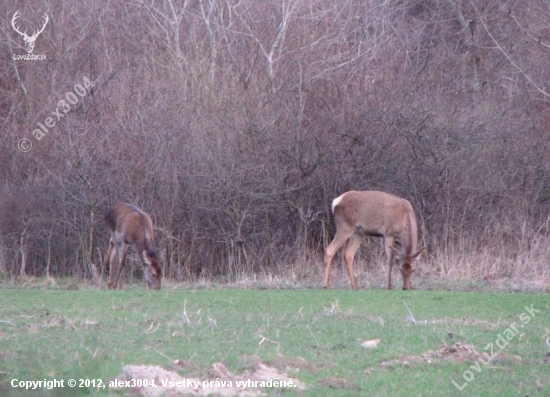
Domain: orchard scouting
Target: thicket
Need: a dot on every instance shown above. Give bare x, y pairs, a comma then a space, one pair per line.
235, 123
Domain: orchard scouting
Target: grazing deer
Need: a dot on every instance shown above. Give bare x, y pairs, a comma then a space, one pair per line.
379, 214
131, 227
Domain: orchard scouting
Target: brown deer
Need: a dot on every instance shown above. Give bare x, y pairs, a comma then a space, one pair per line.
379, 214
132, 228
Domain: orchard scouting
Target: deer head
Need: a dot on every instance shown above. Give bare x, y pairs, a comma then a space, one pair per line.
153, 269
407, 268
29, 40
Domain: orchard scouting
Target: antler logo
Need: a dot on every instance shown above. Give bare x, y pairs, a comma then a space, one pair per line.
29, 40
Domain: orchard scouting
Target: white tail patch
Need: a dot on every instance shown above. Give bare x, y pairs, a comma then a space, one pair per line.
336, 201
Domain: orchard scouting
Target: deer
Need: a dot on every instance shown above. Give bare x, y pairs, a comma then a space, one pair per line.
130, 227
373, 213
29, 40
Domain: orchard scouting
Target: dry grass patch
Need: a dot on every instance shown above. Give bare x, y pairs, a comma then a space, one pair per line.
458, 353
217, 380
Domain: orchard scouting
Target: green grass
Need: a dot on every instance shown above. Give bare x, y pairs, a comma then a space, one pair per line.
46, 334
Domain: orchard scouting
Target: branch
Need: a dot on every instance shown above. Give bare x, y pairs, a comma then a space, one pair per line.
514, 64
537, 39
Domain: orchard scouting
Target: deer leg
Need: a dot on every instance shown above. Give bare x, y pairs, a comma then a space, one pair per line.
107, 260
349, 254
331, 249
113, 264
388, 243
122, 250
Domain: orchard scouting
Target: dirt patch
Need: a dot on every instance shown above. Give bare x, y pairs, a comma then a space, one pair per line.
218, 381
457, 353
185, 364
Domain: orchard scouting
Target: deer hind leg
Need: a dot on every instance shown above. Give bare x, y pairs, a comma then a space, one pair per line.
121, 251
332, 248
349, 254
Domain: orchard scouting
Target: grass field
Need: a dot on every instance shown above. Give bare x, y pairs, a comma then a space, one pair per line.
313, 335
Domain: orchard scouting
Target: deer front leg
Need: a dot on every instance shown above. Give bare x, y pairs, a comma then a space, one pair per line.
112, 258
108, 260
388, 242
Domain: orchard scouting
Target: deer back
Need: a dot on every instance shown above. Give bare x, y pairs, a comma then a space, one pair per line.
377, 213
133, 225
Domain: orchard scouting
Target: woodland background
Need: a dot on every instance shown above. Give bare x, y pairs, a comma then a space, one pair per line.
235, 123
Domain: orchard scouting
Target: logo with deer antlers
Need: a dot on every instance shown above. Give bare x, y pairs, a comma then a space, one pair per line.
29, 40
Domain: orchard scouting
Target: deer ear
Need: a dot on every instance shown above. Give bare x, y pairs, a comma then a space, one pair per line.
420, 251
146, 258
